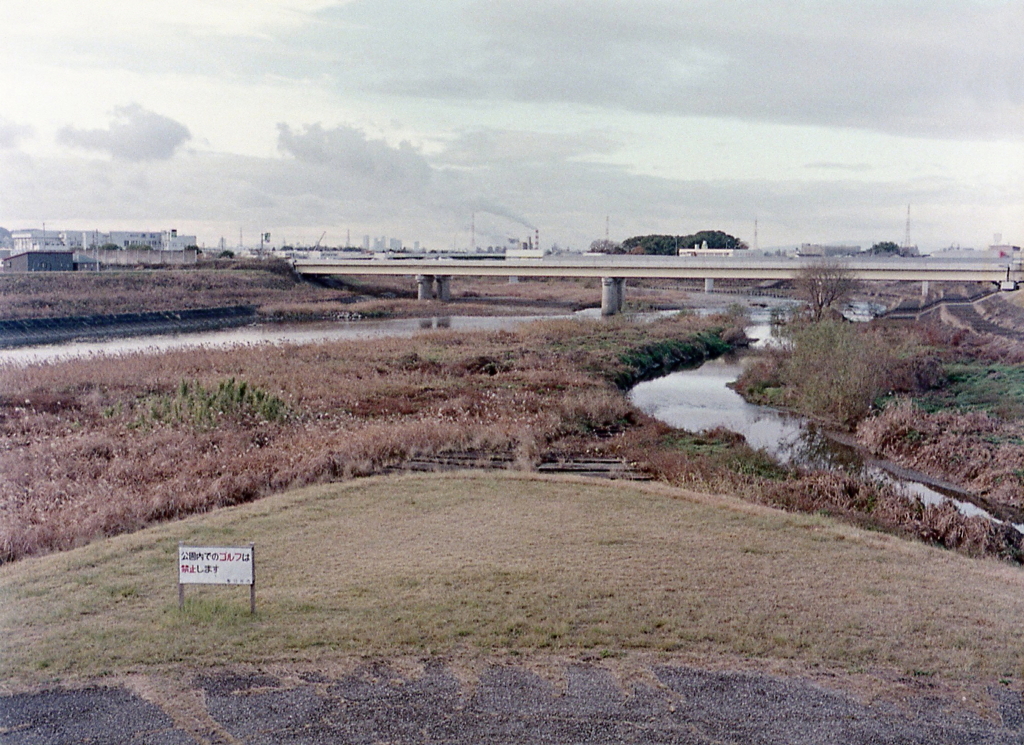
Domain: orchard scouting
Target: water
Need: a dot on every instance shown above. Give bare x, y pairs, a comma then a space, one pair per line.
306, 333
699, 399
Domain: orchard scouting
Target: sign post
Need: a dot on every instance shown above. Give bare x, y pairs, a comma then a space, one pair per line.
217, 565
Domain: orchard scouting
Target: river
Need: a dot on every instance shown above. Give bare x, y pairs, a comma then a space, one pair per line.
271, 333
695, 400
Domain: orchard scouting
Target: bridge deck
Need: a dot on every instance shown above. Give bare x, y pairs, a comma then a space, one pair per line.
668, 267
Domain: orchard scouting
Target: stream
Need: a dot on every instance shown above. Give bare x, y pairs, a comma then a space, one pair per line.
700, 399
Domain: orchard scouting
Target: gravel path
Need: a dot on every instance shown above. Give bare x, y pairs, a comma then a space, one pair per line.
505, 704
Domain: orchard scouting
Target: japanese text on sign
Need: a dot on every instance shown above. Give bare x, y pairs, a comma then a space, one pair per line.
202, 565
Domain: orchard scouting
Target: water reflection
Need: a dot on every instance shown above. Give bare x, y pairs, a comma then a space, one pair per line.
306, 333
700, 399
813, 448
442, 322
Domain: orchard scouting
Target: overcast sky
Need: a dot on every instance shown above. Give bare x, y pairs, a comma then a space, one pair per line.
821, 120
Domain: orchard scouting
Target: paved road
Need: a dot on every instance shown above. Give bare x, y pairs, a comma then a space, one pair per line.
379, 704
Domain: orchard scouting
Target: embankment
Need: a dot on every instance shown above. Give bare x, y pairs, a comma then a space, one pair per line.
21, 332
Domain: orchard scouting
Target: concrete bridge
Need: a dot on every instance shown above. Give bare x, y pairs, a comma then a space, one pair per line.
433, 275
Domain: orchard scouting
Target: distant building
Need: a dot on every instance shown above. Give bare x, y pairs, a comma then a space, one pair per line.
1004, 249
130, 239
85, 263
36, 240
171, 241
84, 240
817, 249
40, 261
525, 252
81, 240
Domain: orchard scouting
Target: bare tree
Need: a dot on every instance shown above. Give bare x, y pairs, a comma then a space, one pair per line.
605, 246
824, 284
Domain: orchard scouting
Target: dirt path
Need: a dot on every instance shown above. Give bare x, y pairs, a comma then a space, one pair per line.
438, 702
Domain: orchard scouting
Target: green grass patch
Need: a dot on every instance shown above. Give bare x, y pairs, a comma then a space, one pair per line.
439, 564
724, 449
995, 388
193, 405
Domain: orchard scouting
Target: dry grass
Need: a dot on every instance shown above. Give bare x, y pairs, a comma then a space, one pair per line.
44, 294
271, 286
87, 448
721, 461
974, 449
478, 564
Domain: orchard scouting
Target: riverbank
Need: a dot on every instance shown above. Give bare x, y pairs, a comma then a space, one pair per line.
97, 446
533, 591
36, 331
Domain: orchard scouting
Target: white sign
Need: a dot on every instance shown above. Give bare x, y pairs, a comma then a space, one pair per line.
215, 565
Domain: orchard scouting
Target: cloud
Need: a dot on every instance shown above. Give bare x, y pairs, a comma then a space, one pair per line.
940, 69
829, 166
135, 135
11, 134
481, 146
339, 178
353, 155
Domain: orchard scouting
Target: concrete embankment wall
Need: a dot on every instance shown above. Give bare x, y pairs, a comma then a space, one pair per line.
26, 331
140, 257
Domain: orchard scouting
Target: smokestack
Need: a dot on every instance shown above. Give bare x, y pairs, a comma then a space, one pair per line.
536, 234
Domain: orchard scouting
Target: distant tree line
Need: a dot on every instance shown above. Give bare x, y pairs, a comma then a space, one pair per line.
885, 248
668, 245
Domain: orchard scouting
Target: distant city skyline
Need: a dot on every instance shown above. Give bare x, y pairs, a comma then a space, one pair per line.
820, 122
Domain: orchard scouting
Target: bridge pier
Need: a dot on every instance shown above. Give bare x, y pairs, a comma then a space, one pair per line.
429, 286
444, 288
425, 287
924, 289
709, 284
613, 295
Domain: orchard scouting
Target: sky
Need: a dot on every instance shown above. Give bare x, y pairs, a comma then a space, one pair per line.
778, 121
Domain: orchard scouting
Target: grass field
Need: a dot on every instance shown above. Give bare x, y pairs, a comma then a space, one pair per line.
515, 564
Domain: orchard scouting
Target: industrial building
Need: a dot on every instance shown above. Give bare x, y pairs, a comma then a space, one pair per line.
83, 240
40, 261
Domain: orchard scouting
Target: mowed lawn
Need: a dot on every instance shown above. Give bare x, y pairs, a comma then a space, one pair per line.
481, 563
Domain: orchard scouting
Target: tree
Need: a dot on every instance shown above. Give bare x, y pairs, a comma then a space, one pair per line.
825, 284
669, 245
885, 248
605, 246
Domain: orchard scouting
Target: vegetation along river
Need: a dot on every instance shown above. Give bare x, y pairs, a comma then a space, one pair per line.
695, 400
700, 399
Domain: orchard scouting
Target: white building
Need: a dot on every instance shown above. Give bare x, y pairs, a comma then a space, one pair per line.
83, 240
36, 240
129, 239
171, 241
80, 240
